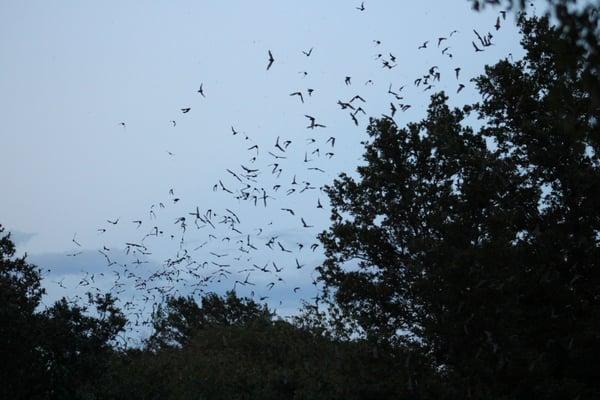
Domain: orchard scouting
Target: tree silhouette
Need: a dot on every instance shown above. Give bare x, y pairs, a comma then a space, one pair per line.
482, 246
76, 347
180, 317
577, 22
55, 353
20, 295
225, 347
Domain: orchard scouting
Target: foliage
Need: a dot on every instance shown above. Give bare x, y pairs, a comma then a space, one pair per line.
232, 348
482, 247
20, 294
175, 321
577, 23
56, 353
260, 360
77, 347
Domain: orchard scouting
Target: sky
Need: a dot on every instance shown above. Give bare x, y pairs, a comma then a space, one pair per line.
74, 71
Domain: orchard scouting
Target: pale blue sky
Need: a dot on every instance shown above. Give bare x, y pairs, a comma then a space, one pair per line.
73, 70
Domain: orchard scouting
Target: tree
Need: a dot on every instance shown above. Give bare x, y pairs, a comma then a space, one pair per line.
577, 22
181, 317
77, 347
20, 295
482, 247
259, 361
55, 353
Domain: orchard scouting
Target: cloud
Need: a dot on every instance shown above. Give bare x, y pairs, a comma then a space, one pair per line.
85, 261
20, 238
57, 264
66, 274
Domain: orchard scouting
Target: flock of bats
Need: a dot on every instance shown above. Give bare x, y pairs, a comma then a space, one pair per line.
223, 251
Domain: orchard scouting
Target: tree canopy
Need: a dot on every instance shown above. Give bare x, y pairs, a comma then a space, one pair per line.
180, 317
55, 353
482, 245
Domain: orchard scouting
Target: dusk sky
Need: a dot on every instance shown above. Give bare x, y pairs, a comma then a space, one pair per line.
73, 71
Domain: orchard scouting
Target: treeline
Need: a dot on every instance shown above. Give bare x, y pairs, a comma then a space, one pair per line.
475, 272
221, 348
